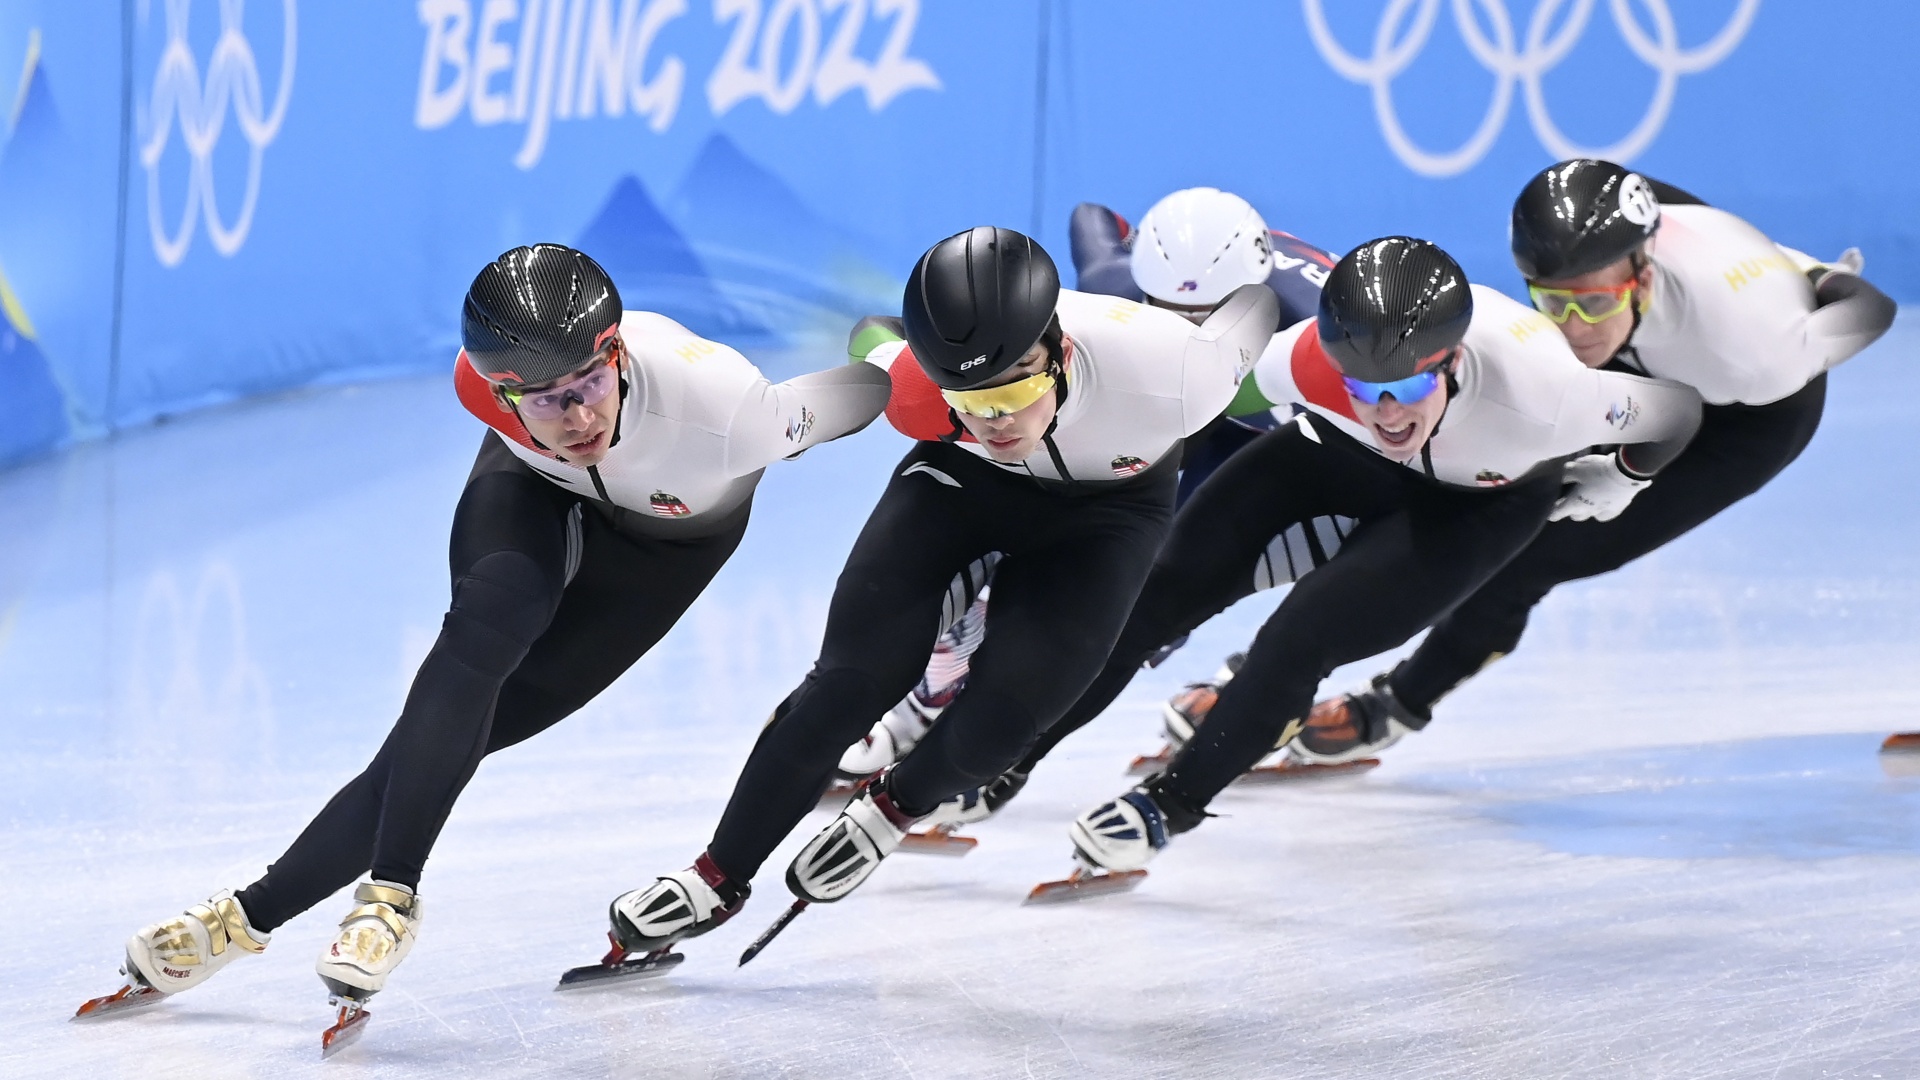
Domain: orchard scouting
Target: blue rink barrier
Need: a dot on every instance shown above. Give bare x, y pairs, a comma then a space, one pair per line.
206, 200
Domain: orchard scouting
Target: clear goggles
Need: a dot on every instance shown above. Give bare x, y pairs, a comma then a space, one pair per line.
1405, 391
993, 402
588, 388
1592, 305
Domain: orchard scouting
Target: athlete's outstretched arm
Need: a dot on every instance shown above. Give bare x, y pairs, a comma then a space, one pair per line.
1851, 315
1222, 350
1102, 263
1651, 420
1848, 313
780, 420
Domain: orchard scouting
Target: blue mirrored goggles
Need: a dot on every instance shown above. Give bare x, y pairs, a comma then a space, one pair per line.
1405, 391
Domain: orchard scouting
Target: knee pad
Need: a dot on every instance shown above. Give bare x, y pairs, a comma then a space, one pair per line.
502, 604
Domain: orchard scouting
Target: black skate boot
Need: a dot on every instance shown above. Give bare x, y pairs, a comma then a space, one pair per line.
1355, 726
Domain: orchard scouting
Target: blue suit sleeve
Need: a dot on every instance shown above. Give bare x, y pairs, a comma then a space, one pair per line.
1299, 269
1100, 254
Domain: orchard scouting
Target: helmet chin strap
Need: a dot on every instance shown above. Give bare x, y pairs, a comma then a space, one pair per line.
1640, 263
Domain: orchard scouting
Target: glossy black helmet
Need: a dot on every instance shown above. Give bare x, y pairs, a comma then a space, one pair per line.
1392, 308
538, 313
1579, 216
976, 302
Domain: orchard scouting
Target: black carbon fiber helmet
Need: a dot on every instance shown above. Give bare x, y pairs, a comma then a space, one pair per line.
538, 313
976, 302
1579, 216
1392, 308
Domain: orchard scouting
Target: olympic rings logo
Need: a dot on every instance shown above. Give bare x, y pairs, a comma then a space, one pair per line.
1394, 51
190, 669
232, 79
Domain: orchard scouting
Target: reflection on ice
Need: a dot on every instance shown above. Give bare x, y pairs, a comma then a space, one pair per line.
1804, 797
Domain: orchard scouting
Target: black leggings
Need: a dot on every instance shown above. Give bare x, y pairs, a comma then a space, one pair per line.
1073, 562
1420, 547
1739, 448
521, 648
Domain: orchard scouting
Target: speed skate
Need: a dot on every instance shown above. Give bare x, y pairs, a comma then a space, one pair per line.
1900, 754
620, 965
1287, 768
132, 996
940, 839
1084, 883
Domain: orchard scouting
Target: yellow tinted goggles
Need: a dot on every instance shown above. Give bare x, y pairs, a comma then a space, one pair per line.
1006, 399
1592, 305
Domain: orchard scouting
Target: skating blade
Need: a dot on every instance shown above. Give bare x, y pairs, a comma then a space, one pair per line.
1900, 755
346, 1030
1082, 884
1148, 764
938, 840
650, 964
1289, 770
772, 932
126, 999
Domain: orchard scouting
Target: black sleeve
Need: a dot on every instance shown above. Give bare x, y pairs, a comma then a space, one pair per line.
1101, 258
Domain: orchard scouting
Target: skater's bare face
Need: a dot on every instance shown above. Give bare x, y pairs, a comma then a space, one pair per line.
1595, 342
1398, 428
1013, 437
583, 433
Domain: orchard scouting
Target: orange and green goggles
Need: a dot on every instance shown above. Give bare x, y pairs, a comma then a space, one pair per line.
1592, 305
993, 402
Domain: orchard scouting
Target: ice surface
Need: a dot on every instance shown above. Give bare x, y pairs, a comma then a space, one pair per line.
1656, 842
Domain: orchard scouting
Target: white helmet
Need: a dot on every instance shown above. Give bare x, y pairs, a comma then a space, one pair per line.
1197, 245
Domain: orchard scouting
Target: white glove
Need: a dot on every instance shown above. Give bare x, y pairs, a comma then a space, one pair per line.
1599, 492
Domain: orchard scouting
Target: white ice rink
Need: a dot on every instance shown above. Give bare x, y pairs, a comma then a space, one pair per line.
1656, 842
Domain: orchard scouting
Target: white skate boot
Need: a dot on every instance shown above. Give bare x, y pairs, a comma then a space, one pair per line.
899, 731
970, 806
648, 922
186, 950
180, 953
846, 852
373, 939
843, 855
1123, 834
981, 803
904, 725
1355, 726
1112, 844
677, 906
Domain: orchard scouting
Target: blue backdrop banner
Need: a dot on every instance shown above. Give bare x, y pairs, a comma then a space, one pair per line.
206, 199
